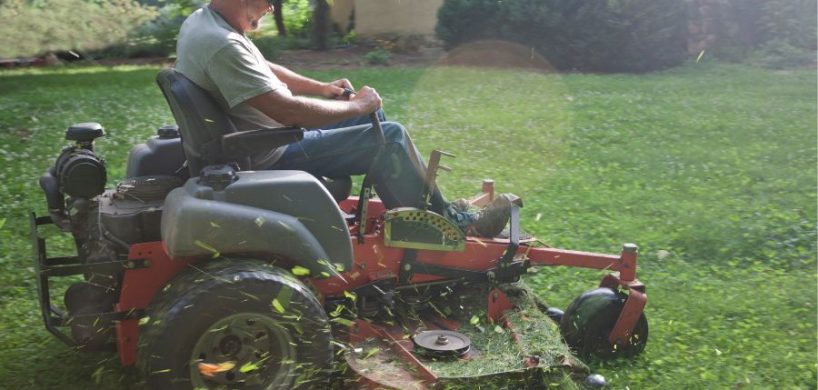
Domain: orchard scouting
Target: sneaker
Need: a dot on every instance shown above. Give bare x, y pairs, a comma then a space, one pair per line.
489, 221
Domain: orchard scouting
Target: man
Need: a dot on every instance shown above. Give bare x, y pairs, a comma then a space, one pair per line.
214, 53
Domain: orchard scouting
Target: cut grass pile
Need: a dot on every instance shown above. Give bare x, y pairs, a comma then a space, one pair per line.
495, 358
711, 169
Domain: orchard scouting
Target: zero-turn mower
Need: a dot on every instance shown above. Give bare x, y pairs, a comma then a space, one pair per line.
278, 279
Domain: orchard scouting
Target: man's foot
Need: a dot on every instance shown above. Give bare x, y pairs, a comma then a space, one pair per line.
489, 221
461, 205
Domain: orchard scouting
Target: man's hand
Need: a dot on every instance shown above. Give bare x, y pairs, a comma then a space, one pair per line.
335, 89
366, 100
289, 109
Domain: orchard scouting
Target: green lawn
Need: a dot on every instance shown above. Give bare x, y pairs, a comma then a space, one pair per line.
711, 169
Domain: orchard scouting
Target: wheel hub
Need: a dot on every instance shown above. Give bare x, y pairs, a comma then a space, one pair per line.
230, 345
244, 348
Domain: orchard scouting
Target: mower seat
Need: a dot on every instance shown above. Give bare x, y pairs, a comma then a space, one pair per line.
209, 137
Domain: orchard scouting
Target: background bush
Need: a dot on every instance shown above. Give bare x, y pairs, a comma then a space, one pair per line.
639, 35
780, 54
297, 17
769, 33
31, 28
609, 36
155, 38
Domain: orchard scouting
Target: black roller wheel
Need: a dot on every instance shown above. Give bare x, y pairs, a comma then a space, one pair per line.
589, 320
236, 324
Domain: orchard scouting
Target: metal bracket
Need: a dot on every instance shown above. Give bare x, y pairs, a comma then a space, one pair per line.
46, 267
507, 269
366, 186
431, 176
132, 314
407, 265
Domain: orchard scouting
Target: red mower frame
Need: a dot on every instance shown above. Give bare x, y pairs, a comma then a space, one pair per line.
152, 269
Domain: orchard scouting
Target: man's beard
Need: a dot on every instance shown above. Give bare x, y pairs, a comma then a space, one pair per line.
255, 23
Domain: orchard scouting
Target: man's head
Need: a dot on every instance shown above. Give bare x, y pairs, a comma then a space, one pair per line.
243, 15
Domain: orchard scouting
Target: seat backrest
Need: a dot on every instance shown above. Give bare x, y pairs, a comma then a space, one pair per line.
202, 121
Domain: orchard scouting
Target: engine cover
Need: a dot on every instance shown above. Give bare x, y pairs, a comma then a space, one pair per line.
133, 212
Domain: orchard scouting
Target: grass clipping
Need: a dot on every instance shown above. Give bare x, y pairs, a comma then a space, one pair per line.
497, 357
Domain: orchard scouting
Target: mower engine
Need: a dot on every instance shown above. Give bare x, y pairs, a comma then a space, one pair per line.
104, 224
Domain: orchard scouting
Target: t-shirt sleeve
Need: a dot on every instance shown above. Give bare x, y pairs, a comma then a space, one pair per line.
240, 75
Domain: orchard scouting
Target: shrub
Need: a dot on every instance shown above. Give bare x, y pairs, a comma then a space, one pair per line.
158, 37
461, 21
603, 36
764, 32
269, 46
30, 29
298, 17
349, 38
790, 21
378, 57
779, 54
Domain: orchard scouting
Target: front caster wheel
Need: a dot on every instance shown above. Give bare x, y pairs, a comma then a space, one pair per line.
236, 324
589, 320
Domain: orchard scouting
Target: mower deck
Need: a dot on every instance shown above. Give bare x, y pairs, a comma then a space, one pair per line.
522, 348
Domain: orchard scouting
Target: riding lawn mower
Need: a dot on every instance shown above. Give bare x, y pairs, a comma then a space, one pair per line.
207, 275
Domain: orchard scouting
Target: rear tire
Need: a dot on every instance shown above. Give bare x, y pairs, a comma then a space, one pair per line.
225, 313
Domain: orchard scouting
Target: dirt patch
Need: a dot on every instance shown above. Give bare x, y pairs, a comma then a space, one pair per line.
497, 54
484, 54
492, 54
354, 57
133, 61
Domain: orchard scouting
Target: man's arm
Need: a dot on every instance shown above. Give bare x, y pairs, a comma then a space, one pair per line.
301, 85
292, 110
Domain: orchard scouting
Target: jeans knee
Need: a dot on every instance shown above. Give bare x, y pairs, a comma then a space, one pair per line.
394, 132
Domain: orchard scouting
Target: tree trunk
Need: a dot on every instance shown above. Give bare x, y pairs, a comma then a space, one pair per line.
279, 18
320, 37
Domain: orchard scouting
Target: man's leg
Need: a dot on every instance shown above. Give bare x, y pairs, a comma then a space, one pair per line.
399, 175
358, 120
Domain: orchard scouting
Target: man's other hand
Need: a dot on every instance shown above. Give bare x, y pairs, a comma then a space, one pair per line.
367, 100
335, 89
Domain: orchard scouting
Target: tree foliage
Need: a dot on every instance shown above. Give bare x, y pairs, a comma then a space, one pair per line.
35, 27
770, 33
615, 35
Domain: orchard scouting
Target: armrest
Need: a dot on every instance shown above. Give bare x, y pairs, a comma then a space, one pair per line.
245, 143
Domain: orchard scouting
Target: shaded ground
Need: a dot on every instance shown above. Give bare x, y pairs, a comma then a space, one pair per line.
492, 54
354, 57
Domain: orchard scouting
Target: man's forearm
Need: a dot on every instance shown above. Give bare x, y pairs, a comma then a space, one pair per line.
304, 111
311, 112
298, 84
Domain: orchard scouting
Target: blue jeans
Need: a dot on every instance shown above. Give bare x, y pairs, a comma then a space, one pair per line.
348, 147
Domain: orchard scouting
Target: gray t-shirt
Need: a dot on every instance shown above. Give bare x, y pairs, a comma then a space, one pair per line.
228, 65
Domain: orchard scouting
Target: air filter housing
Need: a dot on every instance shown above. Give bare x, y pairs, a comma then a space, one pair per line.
80, 172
